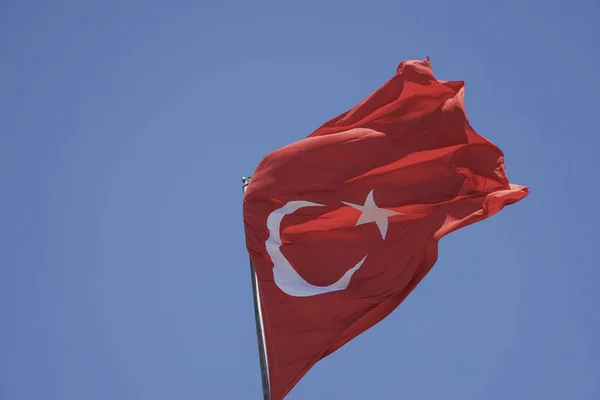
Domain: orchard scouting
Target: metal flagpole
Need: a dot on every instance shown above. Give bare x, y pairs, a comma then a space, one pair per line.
260, 333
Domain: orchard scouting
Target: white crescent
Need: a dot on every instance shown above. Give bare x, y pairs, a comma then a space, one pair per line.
286, 277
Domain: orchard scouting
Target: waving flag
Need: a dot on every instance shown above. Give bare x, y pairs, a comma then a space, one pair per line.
341, 226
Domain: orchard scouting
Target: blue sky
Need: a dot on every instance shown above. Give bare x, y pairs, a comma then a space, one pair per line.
125, 127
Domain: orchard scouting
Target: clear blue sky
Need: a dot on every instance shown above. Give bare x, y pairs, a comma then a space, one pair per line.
125, 127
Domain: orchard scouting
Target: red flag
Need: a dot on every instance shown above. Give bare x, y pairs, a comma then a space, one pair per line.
341, 226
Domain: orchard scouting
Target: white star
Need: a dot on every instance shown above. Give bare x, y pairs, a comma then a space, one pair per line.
371, 213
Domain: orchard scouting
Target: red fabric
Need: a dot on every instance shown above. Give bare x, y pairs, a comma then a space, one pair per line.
411, 144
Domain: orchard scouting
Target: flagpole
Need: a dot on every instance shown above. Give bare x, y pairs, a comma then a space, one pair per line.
260, 333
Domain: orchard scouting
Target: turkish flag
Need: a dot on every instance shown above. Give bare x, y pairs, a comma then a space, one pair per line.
341, 226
